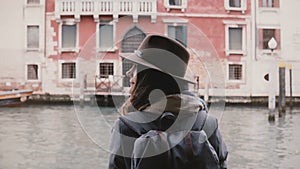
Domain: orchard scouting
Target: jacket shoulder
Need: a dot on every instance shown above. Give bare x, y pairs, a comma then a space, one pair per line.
124, 128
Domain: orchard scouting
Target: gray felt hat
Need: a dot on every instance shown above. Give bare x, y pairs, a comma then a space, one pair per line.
164, 54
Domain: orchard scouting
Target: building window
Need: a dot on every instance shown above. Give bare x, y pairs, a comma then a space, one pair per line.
130, 43
106, 69
267, 35
126, 65
269, 3
176, 4
235, 38
68, 71
32, 72
235, 72
264, 37
106, 36
33, 1
132, 40
235, 5
32, 36
69, 38
179, 33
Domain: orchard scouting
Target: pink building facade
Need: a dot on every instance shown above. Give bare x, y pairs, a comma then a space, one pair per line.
74, 46
85, 38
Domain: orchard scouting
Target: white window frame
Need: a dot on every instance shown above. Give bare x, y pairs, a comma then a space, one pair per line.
176, 26
60, 62
267, 50
68, 22
267, 3
176, 22
26, 39
243, 72
38, 72
110, 78
233, 24
243, 7
38, 3
114, 47
113, 67
182, 7
114, 62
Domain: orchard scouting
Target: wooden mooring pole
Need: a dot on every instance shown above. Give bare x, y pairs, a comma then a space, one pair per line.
272, 91
272, 44
291, 87
282, 95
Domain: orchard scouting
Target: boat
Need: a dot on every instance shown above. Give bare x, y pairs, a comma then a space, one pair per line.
14, 97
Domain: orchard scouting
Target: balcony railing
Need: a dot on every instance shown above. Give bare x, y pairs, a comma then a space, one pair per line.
134, 8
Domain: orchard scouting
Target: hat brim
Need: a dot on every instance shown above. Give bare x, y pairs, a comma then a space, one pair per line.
138, 60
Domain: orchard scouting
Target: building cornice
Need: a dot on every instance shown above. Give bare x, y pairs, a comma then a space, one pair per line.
202, 15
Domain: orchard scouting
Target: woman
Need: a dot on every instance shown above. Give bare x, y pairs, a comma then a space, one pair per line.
158, 87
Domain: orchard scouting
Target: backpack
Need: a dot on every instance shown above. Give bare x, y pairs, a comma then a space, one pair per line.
160, 148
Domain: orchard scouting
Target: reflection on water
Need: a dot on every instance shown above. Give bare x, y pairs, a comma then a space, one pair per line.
46, 137
73, 137
253, 142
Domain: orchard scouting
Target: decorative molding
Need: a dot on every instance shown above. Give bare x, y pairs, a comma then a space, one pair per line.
181, 21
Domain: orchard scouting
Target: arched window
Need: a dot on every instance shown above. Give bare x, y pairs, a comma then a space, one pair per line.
132, 40
130, 43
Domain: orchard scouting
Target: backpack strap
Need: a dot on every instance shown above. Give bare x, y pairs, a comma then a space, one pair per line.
210, 125
200, 120
206, 123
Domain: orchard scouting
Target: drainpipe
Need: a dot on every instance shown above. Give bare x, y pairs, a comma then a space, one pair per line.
254, 6
43, 67
254, 42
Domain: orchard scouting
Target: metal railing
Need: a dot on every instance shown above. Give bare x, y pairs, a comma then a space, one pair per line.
108, 84
101, 7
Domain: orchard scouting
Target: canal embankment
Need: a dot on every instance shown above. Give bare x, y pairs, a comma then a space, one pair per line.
113, 99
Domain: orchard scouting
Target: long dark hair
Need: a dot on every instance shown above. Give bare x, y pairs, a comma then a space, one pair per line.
149, 80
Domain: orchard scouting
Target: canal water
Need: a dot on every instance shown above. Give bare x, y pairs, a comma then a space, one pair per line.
73, 137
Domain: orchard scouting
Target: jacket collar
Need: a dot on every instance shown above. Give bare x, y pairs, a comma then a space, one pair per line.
175, 104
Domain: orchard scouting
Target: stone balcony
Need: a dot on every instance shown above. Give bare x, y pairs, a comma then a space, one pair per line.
134, 8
